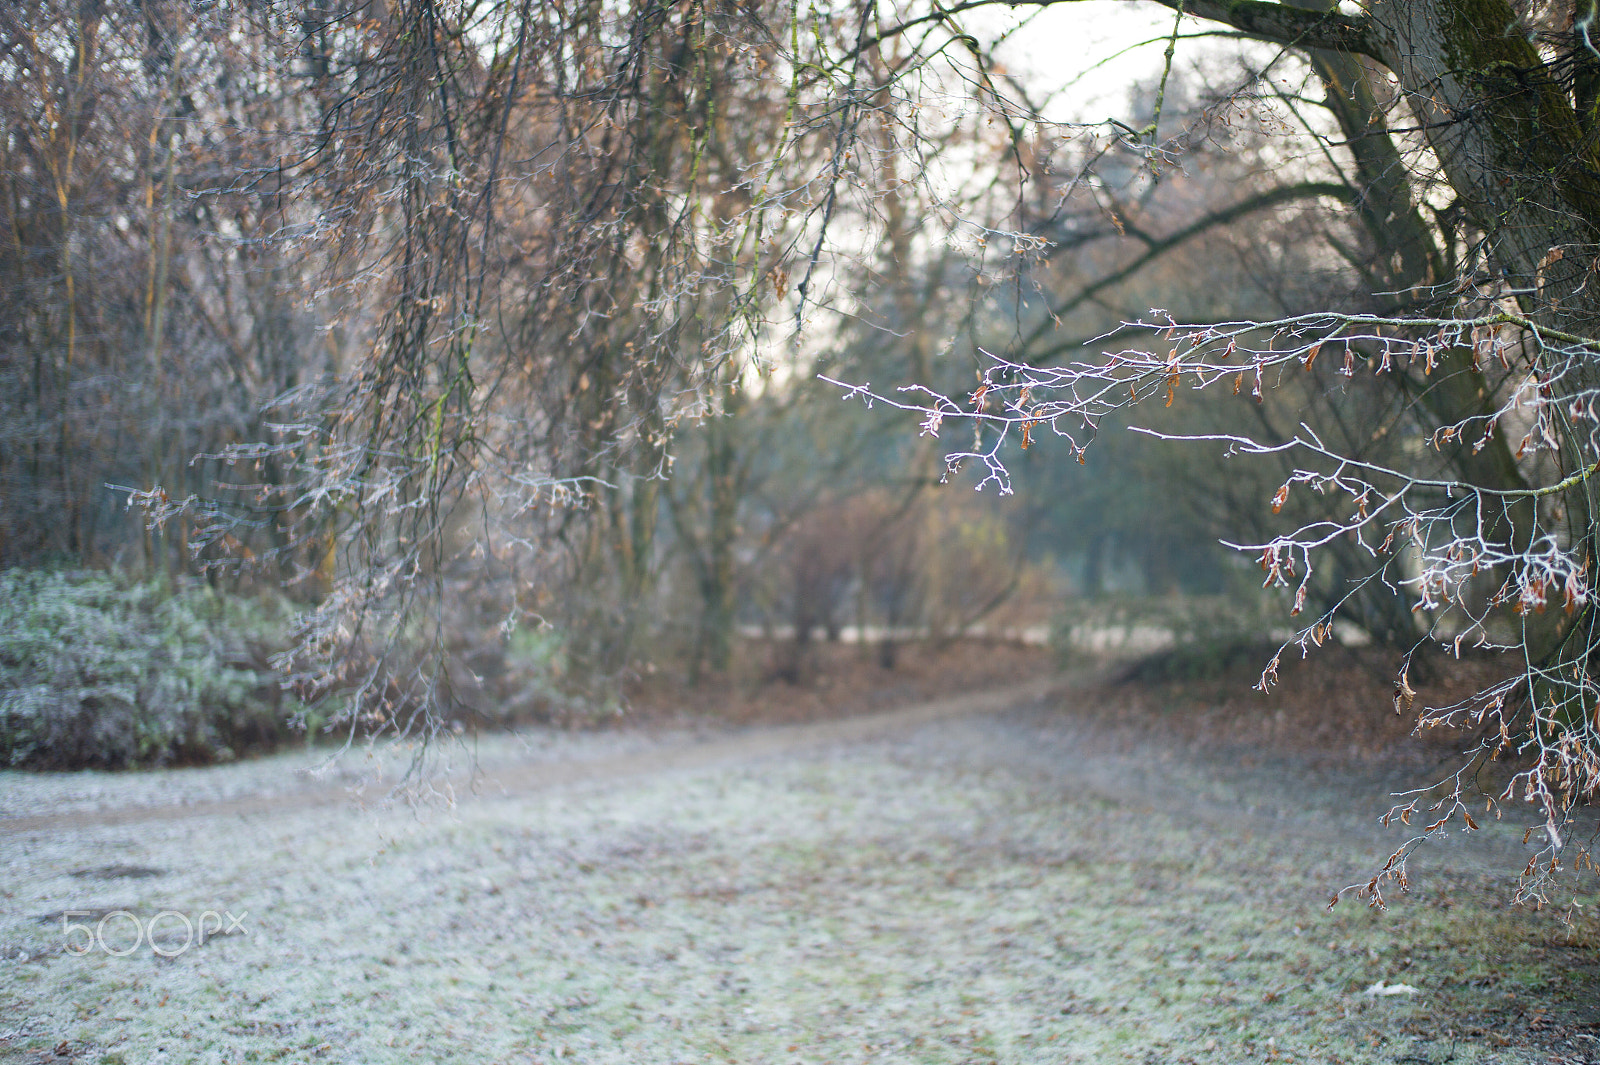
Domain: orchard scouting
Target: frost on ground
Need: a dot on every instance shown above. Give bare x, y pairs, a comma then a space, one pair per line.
363, 767
991, 888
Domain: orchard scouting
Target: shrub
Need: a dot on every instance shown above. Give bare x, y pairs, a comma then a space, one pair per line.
99, 671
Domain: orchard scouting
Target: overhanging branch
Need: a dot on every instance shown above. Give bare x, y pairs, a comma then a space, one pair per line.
1156, 248
1296, 27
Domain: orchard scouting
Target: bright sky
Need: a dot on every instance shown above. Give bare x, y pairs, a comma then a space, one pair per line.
1080, 57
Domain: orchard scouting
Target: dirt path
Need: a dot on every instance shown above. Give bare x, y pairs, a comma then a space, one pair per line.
675, 752
978, 879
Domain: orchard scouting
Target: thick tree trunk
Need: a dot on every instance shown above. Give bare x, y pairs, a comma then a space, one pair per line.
1510, 144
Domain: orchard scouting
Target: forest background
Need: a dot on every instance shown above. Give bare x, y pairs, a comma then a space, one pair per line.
498, 352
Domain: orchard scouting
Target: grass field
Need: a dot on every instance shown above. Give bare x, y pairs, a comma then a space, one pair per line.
995, 887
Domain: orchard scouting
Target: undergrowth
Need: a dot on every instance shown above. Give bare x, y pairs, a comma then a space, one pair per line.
102, 671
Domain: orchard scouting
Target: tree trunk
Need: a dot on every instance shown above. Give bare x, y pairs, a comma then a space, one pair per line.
1510, 144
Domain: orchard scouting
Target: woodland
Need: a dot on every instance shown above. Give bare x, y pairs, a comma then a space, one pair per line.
380, 365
